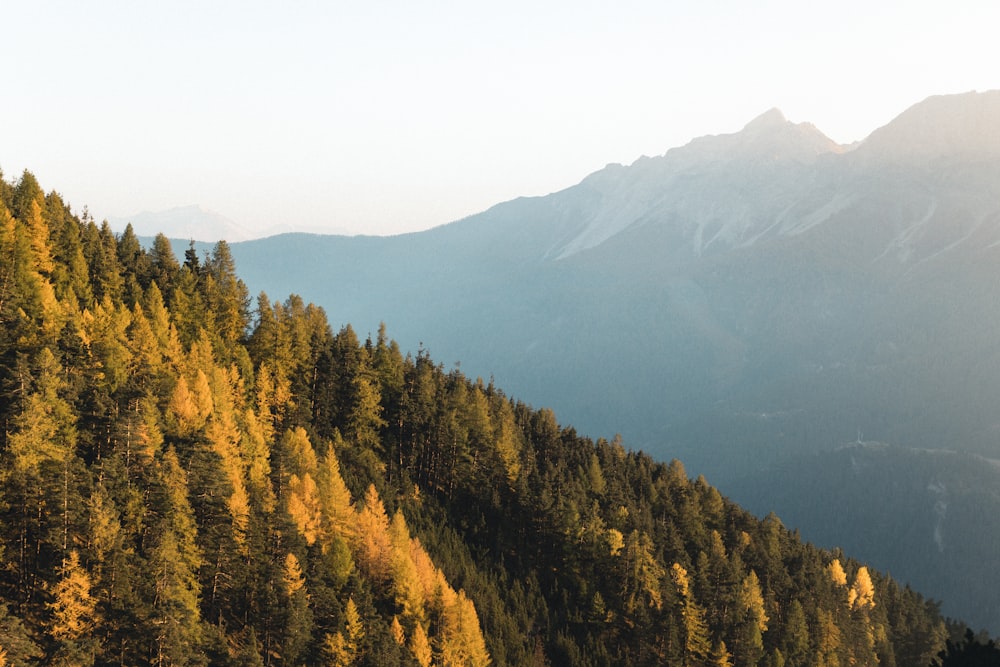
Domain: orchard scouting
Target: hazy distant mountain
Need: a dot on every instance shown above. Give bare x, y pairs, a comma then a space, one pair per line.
186, 223
775, 259
733, 302
183, 223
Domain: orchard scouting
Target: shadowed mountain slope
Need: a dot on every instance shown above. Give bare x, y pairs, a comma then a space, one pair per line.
734, 301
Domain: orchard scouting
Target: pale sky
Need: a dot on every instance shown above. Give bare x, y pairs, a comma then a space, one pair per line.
382, 117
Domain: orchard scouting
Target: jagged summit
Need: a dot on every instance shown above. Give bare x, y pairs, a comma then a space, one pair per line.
773, 117
770, 137
670, 186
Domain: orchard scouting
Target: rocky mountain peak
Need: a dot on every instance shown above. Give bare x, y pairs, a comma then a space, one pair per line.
772, 118
770, 137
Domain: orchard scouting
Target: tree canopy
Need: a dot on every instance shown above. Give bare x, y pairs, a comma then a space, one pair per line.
185, 480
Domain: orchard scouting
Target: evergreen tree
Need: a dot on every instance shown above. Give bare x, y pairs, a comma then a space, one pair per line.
40, 484
968, 653
697, 646
373, 547
174, 561
73, 615
344, 646
164, 268
16, 644
298, 623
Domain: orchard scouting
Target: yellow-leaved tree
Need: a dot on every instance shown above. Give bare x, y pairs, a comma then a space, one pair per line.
862, 592
342, 646
837, 574
340, 518
420, 647
298, 616
696, 641
373, 547
73, 610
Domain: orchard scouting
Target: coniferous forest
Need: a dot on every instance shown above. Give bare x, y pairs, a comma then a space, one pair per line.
192, 476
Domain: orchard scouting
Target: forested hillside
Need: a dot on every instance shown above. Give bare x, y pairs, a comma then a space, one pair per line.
739, 301
189, 478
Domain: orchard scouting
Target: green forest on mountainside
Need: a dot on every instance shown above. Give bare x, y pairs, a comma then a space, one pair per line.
186, 479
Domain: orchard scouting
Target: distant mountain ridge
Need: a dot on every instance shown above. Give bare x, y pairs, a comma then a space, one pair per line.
184, 482
183, 222
736, 301
667, 217
194, 223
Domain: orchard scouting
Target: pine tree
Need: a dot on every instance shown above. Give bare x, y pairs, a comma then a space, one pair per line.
837, 574
720, 656
406, 584
507, 439
644, 573
862, 592
70, 274
695, 631
40, 485
38, 233
18, 646
106, 329
366, 415
343, 646
795, 645
8, 262
135, 265
299, 621
164, 268
828, 638
104, 523
340, 518
304, 507
397, 631
105, 271
175, 613
29, 308
752, 622
257, 454
174, 561
227, 300
373, 547
73, 615
461, 641
420, 647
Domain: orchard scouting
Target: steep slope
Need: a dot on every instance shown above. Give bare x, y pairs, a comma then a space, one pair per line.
941, 127
743, 249
938, 513
180, 484
733, 301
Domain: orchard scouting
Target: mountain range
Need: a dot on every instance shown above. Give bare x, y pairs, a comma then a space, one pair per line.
184, 481
741, 302
192, 222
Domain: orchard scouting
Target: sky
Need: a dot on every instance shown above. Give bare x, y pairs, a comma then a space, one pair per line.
385, 117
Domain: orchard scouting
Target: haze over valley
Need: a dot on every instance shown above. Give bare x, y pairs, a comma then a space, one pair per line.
746, 303
192, 476
526, 334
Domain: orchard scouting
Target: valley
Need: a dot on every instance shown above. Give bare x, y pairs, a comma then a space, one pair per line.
737, 301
